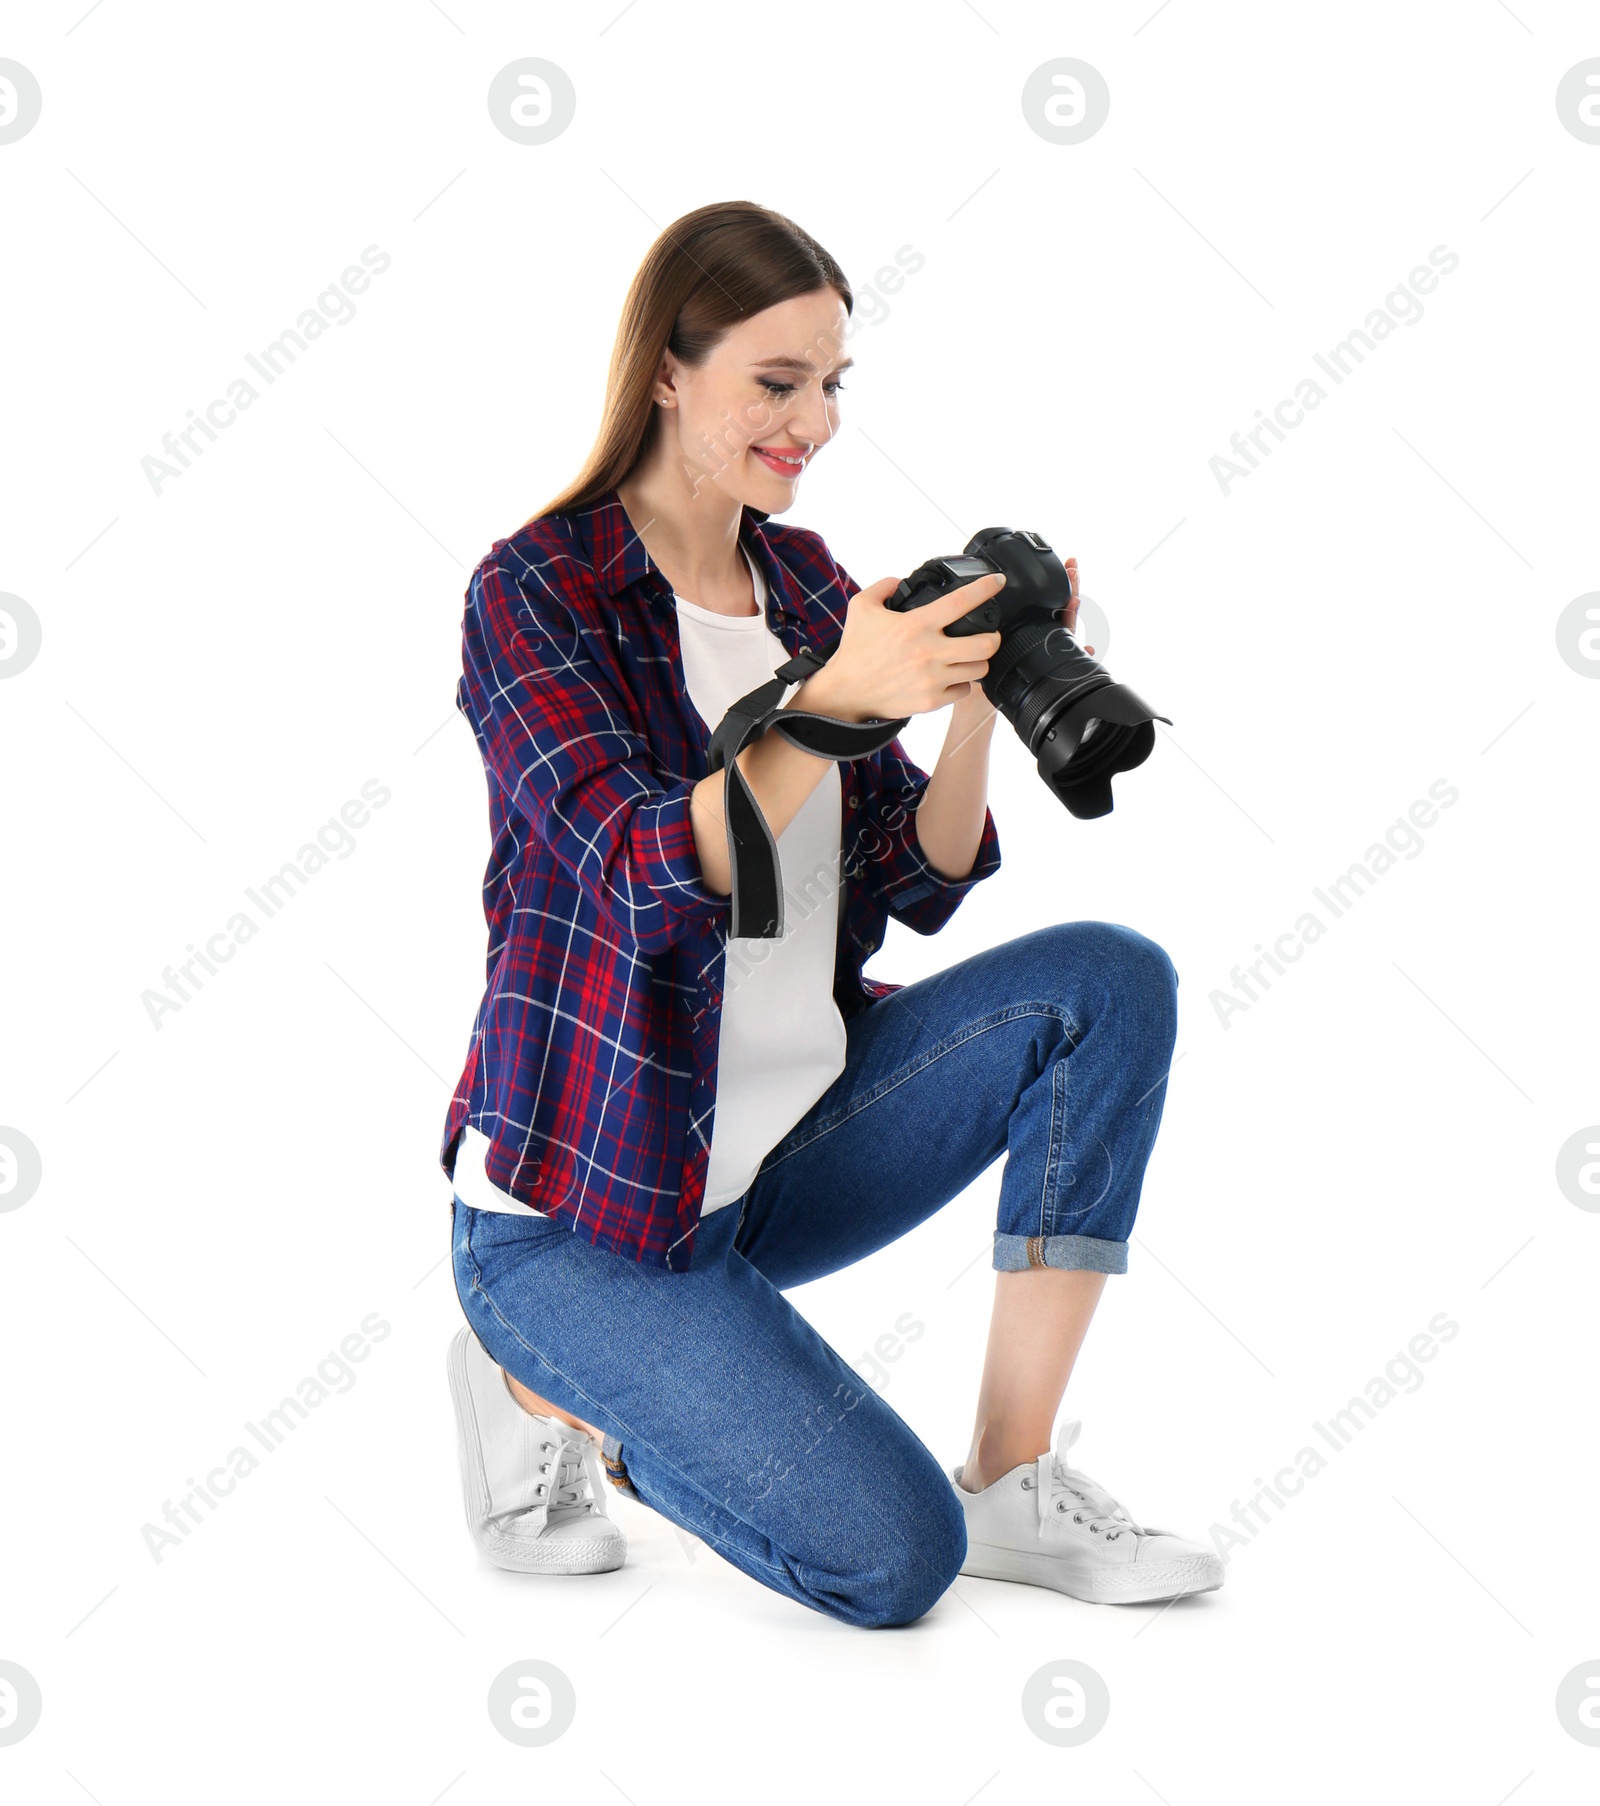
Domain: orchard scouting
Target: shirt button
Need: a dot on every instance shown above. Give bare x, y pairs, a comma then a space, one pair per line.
855, 801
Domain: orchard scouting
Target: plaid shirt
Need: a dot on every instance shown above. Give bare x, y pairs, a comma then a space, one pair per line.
592, 1067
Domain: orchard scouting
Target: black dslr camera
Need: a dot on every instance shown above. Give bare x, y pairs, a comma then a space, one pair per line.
1081, 726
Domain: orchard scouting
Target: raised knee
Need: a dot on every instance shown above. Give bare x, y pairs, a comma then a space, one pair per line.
1131, 962
1148, 965
1149, 982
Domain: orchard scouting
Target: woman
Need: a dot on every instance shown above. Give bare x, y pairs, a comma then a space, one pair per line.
659, 1128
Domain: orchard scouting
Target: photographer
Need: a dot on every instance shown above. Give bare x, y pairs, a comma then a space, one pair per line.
651, 1140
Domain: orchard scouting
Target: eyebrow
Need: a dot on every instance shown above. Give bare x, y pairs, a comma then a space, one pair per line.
794, 363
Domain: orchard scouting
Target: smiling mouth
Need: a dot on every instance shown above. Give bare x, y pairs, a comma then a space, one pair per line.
789, 463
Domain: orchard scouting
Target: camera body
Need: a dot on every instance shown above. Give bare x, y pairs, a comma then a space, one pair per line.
1080, 725
1036, 580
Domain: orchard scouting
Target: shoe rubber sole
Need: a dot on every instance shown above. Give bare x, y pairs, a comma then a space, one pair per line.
518, 1555
1135, 1583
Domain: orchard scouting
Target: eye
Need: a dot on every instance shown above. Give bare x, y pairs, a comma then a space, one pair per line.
780, 389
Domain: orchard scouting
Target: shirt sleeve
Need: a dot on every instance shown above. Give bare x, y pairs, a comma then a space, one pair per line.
897, 874
558, 738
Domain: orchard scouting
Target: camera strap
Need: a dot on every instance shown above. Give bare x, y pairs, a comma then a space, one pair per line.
752, 851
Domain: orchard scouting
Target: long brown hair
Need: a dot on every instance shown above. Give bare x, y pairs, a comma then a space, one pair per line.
704, 274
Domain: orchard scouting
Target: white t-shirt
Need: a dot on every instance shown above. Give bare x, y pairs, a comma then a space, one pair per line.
782, 1039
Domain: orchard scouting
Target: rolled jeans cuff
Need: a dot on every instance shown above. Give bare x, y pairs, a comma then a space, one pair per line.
1087, 1253
616, 1469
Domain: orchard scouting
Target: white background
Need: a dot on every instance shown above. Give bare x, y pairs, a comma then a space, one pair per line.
226, 662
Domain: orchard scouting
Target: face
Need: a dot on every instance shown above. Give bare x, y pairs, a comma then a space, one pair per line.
764, 402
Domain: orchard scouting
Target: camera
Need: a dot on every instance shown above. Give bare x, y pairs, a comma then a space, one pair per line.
1081, 725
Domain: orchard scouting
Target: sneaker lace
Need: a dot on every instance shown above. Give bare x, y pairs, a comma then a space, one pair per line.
1064, 1491
572, 1479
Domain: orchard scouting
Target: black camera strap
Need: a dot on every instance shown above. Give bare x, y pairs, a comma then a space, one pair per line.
752, 851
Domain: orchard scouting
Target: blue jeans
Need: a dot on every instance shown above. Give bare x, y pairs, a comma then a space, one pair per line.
721, 1407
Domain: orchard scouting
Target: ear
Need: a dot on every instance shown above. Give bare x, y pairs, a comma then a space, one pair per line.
667, 377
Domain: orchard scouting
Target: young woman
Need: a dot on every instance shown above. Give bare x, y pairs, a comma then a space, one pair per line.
660, 1127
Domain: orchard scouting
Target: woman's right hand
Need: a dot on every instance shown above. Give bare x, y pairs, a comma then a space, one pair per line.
890, 663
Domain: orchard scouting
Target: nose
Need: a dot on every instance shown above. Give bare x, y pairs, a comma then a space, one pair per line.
812, 419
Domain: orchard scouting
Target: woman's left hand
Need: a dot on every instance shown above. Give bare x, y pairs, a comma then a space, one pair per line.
1068, 613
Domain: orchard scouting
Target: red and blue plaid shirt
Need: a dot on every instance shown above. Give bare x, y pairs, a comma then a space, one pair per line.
592, 1067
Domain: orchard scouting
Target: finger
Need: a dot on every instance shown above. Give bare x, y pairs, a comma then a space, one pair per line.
962, 648
963, 600
976, 645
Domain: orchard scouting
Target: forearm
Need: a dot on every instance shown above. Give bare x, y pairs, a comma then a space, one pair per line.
781, 776
950, 816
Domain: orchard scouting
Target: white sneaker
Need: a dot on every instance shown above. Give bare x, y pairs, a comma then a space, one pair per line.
533, 1486
1047, 1523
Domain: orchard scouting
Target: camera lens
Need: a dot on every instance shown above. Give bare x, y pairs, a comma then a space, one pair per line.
1081, 726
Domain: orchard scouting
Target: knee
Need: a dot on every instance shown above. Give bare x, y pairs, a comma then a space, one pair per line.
904, 1579
1137, 974
1146, 966
1148, 986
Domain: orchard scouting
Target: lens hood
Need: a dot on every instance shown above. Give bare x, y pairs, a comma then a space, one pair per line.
1109, 730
